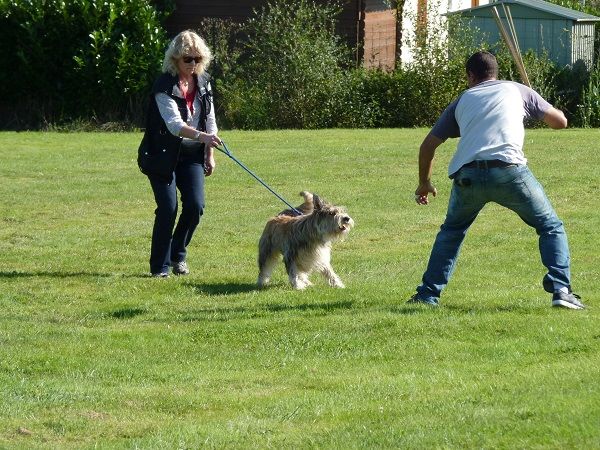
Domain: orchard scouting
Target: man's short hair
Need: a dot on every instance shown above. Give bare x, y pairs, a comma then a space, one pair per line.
482, 65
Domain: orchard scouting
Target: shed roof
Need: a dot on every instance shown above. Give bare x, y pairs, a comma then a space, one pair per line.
549, 8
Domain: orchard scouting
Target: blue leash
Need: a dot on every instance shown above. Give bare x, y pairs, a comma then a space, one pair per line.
226, 151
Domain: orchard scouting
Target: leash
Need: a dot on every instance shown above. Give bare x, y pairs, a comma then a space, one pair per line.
226, 151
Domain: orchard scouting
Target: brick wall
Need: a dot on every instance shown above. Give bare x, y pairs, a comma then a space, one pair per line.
380, 39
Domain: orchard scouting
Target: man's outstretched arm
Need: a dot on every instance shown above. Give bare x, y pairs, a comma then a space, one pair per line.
426, 154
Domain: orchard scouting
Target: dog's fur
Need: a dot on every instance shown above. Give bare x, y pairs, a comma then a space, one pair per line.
304, 241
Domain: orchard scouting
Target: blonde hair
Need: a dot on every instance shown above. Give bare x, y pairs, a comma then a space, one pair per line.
186, 43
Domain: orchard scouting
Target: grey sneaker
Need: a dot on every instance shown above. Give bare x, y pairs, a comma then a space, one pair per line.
160, 275
180, 268
567, 300
415, 299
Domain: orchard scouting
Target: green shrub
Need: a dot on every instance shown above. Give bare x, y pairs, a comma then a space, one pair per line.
120, 57
77, 59
588, 111
293, 72
366, 101
570, 89
290, 70
88, 62
223, 37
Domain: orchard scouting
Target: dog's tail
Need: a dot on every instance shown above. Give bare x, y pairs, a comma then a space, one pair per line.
305, 208
307, 196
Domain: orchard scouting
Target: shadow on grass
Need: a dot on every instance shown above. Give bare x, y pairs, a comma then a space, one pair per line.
58, 274
464, 309
222, 288
259, 311
482, 308
411, 309
325, 307
127, 313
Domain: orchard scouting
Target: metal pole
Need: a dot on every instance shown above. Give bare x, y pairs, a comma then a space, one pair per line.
514, 51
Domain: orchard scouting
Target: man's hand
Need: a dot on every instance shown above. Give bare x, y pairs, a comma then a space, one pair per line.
423, 191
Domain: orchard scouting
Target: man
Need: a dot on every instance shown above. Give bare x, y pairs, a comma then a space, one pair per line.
489, 166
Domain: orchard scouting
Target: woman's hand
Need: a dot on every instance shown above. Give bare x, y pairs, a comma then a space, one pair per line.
209, 162
210, 140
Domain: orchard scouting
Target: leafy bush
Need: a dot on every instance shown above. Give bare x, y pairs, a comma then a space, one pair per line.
223, 37
570, 89
588, 111
366, 101
121, 55
294, 72
290, 70
77, 59
83, 63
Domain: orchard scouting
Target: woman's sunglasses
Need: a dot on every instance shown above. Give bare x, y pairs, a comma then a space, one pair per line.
189, 59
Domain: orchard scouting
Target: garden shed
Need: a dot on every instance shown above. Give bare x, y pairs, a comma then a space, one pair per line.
566, 35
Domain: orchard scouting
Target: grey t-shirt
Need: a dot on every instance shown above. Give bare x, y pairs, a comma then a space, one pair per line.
488, 118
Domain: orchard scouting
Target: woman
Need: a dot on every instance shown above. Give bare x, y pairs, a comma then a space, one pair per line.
176, 152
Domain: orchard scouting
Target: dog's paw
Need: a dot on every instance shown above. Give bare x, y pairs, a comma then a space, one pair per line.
262, 282
304, 279
299, 284
337, 284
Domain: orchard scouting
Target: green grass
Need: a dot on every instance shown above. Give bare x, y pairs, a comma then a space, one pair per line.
94, 353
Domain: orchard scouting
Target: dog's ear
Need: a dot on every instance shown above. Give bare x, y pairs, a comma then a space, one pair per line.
317, 202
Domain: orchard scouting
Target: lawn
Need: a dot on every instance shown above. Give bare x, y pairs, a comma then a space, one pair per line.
96, 354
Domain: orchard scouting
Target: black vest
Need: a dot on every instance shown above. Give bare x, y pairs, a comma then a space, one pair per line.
159, 150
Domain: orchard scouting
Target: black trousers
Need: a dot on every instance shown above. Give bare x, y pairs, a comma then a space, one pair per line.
170, 246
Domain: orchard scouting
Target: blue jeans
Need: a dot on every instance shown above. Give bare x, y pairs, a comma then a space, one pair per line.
515, 188
168, 245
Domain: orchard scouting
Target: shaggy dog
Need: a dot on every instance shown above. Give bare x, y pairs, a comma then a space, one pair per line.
304, 241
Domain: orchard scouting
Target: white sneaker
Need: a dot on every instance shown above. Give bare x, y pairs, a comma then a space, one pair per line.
567, 300
160, 275
180, 268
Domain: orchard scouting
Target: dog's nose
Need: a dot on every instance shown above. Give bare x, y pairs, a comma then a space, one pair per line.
346, 219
